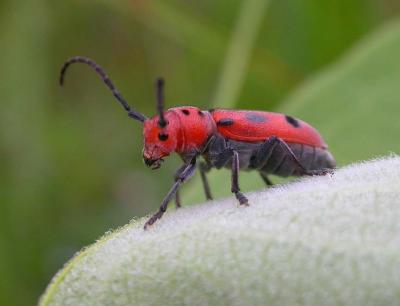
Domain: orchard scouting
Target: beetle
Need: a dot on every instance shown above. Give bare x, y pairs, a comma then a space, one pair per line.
267, 142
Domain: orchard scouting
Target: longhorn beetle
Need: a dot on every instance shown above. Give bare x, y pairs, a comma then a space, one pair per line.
270, 143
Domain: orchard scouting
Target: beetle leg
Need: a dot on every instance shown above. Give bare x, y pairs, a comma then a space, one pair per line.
265, 151
323, 171
184, 175
266, 180
176, 177
178, 200
223, 158
204, 168
235, 181
301, 168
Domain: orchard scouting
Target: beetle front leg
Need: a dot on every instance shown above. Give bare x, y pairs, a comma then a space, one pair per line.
204, 168
187, 172
235, 180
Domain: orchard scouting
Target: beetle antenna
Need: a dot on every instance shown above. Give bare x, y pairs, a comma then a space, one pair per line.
160, 102
79, 59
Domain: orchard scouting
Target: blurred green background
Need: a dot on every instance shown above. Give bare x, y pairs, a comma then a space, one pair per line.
70, 159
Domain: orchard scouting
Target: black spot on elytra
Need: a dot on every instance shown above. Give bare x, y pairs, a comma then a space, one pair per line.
225, 122
200, 113
186, 112
255, 118
293, 122
211, 110
163, 137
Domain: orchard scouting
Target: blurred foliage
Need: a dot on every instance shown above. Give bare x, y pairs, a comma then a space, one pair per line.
71, 160
358, 116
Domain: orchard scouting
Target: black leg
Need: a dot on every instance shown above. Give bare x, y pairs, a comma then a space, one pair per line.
220, 159
220, 155
176, 177
235, 180
266, 180
301, 168
265, 152
183, 177
267, 149
177, 200
204, 168
223, 158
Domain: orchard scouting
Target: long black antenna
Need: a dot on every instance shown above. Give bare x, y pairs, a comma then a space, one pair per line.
79, 59
160, 102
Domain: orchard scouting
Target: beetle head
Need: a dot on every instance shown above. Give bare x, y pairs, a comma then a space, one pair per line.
159, 141
160, 133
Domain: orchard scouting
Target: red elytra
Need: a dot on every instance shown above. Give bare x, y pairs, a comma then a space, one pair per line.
256, 126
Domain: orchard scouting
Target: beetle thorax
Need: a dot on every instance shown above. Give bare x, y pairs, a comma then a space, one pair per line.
196, 128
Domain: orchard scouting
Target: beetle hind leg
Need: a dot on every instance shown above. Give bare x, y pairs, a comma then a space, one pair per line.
270, 144
323, 171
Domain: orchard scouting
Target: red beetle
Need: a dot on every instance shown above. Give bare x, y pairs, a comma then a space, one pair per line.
270, 143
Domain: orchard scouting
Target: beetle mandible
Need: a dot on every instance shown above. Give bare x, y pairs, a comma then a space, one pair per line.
270, 143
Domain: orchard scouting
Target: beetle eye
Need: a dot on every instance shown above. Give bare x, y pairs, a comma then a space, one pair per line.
162, 137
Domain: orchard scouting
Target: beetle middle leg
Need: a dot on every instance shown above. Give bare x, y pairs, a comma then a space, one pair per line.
184, 175
222, 159
266, 179
235, 180
204, 168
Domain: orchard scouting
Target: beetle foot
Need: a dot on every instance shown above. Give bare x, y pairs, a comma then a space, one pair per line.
153, 219
319, 172
243, 201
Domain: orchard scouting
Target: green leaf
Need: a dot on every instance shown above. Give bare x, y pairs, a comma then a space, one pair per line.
329, 240
238, 54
